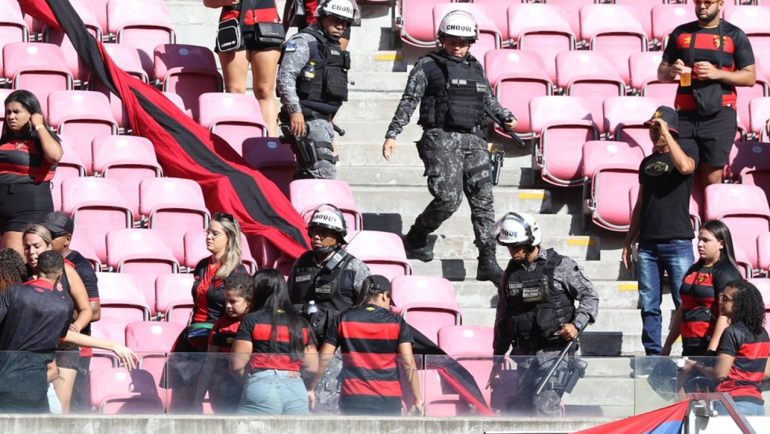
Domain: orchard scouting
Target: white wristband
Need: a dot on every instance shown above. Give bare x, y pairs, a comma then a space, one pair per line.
39, 126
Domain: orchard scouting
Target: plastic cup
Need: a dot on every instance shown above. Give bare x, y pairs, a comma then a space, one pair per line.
685, 78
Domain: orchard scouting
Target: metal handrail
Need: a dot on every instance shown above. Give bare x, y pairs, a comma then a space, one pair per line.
708, 410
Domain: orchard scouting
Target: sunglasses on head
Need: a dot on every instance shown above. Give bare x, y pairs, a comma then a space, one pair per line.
224, 216
706, 3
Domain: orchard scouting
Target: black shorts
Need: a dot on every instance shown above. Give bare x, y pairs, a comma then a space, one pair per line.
21, 204
713, 135
68, 356
249, 43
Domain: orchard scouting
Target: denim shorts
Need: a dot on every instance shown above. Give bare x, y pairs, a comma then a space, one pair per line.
273, 391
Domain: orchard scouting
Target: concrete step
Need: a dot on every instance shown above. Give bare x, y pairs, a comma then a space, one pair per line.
602, 391
458, 270
361, 146
368, 81
410, 175
412, 200
617, 343
610, 320
369, 106
461, 246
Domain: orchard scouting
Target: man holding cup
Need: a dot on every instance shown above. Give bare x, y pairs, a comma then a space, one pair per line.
711, 57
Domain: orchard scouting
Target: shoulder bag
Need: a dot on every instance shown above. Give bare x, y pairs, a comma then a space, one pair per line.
229, 34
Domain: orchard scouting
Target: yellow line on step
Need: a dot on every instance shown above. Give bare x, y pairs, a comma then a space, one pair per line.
531, 195
628, 287
389, 56
581, 242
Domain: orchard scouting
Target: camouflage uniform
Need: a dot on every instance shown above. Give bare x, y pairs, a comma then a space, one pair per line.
455, 162
568, 278
295, 57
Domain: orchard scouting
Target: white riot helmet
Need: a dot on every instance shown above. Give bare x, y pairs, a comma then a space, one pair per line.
460, 25
518, 229
330, 217
342, 9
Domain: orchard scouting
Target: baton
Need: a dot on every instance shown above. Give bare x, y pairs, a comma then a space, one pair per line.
501, 124
339, 130
556, 365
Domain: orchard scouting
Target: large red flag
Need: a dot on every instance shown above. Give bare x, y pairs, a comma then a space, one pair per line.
666, 420
184, 148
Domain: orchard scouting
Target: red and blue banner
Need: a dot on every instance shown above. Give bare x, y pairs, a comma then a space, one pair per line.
666, 420
184, 148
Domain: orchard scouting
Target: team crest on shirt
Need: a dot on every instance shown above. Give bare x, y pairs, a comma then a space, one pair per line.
370, 309
701, 279
687, 40
717, 41
229, 341
59, 287
656, 169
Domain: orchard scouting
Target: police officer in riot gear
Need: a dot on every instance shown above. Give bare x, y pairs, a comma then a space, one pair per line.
313, 84
452, 90
536, 314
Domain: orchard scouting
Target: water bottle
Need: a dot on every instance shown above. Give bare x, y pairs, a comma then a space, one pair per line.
311, 307
308, 72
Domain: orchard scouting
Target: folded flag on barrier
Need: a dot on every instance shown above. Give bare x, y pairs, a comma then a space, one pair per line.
184, 148
666, 420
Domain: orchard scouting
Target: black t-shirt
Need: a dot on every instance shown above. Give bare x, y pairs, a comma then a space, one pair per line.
736, 54
88, 276
33, 319
665, 198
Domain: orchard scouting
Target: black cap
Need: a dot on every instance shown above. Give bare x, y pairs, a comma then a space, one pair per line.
59, 223
667, 114
381, 283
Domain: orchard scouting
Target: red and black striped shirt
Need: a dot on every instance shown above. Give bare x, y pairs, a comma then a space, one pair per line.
700, 304
751, 352
223, 333
208, 292
262, 11
369, 337
256, 327
736, 55
22, 161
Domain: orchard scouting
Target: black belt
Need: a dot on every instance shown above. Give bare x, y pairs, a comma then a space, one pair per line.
24, 186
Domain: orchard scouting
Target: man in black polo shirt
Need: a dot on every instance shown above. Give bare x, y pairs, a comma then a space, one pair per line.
34, 317
374, 343
661, 219
717, 56
61, 227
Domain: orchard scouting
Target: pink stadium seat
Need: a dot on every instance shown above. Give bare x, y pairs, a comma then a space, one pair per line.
152, 336
763, 252
195, 250
563, 124
644, 77
99, 8
307, 194
471, 346
188, 71
426, 303
763, 285
37, 67
144, 253
128, 160
274, 159
749, 159
610, 169
744, 209
410, 16
753, 20
743, 262
177, 100
86, 250
624, 119
97, 205
382, 252
173, 206
614, 30
3, 95
441, 400
643, 12
572, 9
119, 391
233, 117
69, 166
143, 24
82, 115
591, 76
76, 65
541, 28
748, 94
516, 77
173, 297
123, 298
490, 37
759, 112
667, 17
110, 329
499, 17
126, 58
12, 25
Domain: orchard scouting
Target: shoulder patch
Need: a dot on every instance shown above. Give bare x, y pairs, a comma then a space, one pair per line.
291, 46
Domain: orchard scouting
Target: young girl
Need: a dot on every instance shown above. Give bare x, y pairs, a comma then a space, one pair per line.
224, 390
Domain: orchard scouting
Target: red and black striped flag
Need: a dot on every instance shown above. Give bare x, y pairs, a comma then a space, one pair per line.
184, 148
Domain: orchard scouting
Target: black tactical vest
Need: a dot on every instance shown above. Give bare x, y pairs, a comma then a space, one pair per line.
459, 104
537, 309
330, 84
330, 287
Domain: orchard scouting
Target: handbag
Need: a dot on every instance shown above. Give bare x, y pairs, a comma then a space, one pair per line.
269, 34
229, 34
709, 97
294, 14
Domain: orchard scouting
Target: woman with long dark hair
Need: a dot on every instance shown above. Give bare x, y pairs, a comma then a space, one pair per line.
272, 344
744, 347
12, 270
698, 320
30, 152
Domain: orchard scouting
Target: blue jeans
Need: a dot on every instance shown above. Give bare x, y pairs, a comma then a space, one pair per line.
744, 407
273, 392
674, 258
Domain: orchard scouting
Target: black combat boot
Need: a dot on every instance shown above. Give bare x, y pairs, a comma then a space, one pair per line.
417, 245
488, 268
